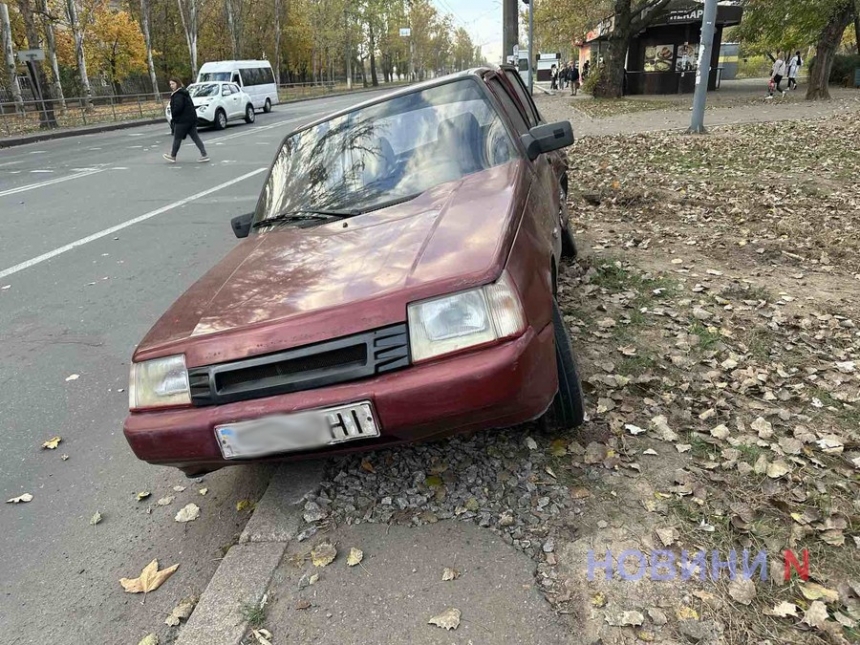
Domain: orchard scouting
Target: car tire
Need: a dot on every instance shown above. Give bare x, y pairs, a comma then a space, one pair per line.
220, 119
568, 244
568, 407
250, 115
267, 107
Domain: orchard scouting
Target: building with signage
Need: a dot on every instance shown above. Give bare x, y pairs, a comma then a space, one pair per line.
664, 57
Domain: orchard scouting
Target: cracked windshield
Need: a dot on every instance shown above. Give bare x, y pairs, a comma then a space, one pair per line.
497, 322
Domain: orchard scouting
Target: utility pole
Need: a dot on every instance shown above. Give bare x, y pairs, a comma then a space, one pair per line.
703, 70
510, 27
531, 46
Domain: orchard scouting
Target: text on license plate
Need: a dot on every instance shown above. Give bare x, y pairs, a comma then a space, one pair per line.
298, 431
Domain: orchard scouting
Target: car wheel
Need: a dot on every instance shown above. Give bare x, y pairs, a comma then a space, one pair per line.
220, 120
568, 244
568, 407
250, 115
267, 107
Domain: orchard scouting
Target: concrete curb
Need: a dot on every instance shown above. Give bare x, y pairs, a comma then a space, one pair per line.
10, 142
246, 571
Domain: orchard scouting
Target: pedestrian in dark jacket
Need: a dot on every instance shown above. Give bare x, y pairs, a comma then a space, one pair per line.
573, 74
183, 113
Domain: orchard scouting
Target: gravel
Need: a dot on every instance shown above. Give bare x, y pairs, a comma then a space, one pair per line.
491, 478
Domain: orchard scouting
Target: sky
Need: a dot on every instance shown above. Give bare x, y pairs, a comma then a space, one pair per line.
482, 19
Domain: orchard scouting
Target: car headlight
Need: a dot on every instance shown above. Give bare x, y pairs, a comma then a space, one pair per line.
159, 382
450, 323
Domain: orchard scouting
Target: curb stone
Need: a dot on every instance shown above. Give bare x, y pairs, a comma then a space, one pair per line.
246, 571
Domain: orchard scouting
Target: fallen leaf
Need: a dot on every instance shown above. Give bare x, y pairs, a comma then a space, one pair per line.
763, 427
633, 429
667, 535
833, 537
599, 599
355, 556
558, 448
778, 469
580, 493
448, 619
303, 604
720, 432
181, 612
624, 618
149, 639
814, 591
784, 610
683, 447
95, 519
450, 574
165, 501
150, 578
243, 505
686, 613
651, 452
143, 495
263, 636
367, 467
742, 590
203, 491
73, 377
531, 444
23, 499
549, 471
51, 444
323, 555
178, 489
816, 615
188, 514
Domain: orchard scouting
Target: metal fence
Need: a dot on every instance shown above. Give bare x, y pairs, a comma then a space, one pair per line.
79, 111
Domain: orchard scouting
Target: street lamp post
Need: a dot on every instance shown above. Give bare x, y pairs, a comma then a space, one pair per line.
703, 70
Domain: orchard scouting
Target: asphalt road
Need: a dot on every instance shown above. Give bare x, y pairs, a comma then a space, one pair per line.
99, 235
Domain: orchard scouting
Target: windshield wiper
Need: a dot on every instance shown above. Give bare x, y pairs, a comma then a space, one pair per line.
390, 202
303, 214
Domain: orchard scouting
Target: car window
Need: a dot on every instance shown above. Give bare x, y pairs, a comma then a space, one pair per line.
396, 148
508, 104
528, 105
226, 90
235, 89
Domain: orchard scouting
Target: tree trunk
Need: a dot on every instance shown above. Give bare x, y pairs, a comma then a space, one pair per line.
231, 27
189, 26
374, 79
828, 42
47, 119
48, 25
72, 8
11, 67
144, 23
277, 42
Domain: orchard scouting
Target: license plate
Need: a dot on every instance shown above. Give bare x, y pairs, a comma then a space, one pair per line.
299, 431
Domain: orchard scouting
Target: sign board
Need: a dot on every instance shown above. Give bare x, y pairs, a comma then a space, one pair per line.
405, 31
26, 55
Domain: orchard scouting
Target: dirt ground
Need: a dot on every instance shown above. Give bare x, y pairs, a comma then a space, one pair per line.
714, 309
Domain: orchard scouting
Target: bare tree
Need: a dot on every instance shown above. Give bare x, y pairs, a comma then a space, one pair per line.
189, 26
77, 32
48, 21
144, 24
9, 53
277, 42
234, 26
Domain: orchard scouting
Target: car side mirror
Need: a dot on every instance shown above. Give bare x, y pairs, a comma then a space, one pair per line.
242, 225
547, 137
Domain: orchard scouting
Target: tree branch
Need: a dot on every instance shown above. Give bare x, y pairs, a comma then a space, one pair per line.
656, 9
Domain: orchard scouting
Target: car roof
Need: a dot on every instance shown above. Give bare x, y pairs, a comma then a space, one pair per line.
476, 73
227, 65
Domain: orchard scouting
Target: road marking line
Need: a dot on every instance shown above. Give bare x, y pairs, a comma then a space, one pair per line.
50, 182
119, 227
252, 131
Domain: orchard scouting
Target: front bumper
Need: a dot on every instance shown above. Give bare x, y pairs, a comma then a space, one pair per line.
494, 387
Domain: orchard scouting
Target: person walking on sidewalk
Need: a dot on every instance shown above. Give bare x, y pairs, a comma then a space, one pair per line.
778, 73
183, 113
574, 78
794, 66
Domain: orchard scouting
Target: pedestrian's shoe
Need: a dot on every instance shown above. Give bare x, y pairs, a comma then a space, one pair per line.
204, 159
169, 158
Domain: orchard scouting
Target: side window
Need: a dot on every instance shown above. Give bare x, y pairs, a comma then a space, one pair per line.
226, 90
508, 105
236, 78
235, 89
531, 112
268, 75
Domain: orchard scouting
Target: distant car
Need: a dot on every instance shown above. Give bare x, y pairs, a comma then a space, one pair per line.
217, 104
397, 282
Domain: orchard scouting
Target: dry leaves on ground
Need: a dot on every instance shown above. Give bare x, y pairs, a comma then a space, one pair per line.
149, 580
448, 619
324, 554
22, 499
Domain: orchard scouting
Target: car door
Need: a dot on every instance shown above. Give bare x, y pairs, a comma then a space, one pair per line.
235, 101
543, 200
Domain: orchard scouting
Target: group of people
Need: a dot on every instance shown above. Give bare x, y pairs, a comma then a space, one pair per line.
780, 70
568, 76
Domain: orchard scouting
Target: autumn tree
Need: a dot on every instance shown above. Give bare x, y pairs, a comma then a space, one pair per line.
116, 45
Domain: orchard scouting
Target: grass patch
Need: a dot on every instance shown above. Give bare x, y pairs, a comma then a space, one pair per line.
708, 339
745, 291
614, 278
254, 613
759, 343
636, 365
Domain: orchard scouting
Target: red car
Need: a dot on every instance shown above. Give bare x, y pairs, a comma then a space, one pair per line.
395, 283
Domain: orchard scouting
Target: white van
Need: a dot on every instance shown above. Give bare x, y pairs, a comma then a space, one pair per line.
255, 77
